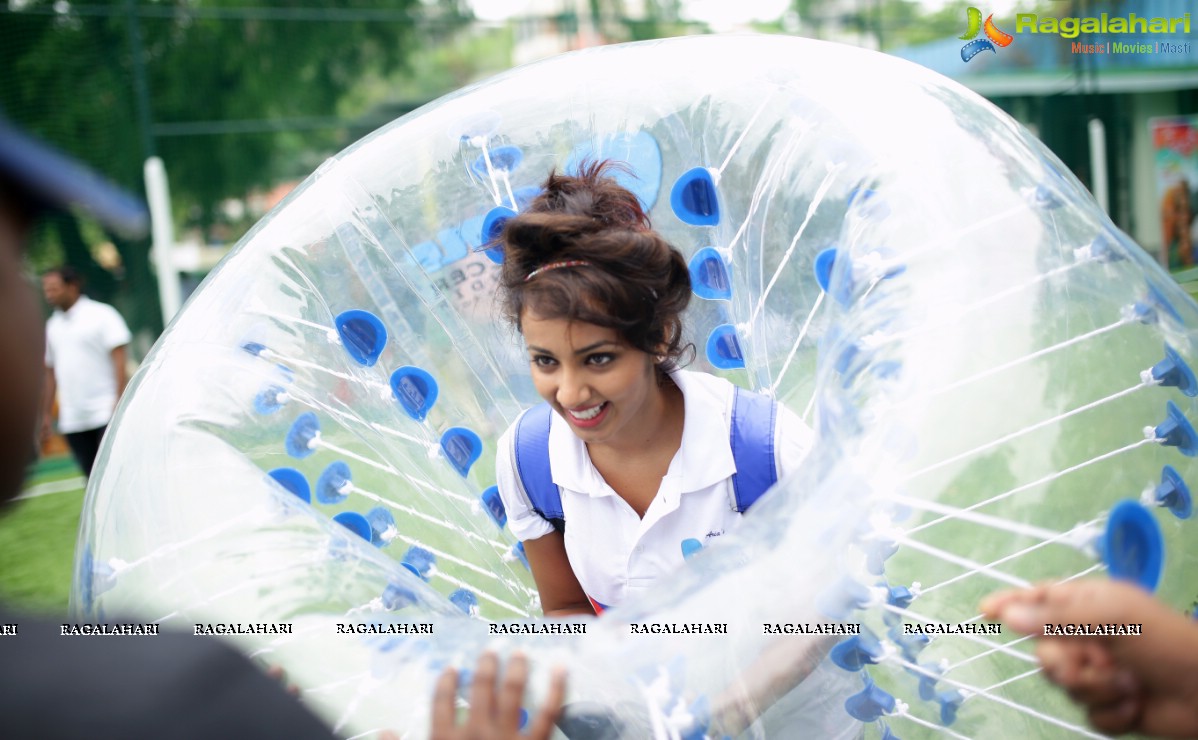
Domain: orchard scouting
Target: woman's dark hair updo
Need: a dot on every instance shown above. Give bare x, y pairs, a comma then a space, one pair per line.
605, 264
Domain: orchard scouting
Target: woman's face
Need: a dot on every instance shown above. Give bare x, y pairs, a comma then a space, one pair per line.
603, 387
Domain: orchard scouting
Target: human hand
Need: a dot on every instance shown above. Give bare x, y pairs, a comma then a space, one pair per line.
495, 715
1144, 683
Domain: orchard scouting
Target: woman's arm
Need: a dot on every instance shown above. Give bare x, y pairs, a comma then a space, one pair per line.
561, 594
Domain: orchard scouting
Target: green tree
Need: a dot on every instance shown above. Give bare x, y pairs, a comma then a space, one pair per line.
225, 92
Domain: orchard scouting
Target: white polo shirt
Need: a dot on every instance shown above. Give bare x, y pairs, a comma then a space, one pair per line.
79, 345
614, 553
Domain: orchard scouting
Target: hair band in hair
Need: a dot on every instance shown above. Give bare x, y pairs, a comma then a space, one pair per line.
555, 266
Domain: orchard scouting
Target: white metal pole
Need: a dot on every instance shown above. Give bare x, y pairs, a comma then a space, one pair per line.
1098, 168
162, 231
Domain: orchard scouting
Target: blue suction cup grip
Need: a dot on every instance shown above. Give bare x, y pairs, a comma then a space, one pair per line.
396, 596
1132, 546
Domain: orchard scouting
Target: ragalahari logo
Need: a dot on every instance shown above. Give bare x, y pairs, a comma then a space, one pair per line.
993, 34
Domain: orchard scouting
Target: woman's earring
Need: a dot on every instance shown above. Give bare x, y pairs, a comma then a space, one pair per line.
661, 359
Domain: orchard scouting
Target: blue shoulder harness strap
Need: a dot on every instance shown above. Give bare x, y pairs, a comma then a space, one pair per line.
532, 465
751, 438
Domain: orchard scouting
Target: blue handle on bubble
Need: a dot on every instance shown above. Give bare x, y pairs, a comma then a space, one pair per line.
1176, 431
1174, 494
362, 334
694, 199
294, 481
415, 390
1132, 546
723, 348
1174, 372
462, 448
333, 484
354, 522
304, 430
869, 704
465, 600
493, 505
382, 526
710, 275
419, 561
858, 651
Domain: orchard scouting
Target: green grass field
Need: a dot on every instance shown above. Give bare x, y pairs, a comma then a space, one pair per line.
37, 537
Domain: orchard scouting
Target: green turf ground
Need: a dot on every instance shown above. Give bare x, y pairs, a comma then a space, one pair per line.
37, 537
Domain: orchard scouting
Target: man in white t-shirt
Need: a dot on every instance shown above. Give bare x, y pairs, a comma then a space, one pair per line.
85, 364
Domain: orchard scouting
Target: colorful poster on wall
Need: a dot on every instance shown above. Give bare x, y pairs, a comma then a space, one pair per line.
1175, 150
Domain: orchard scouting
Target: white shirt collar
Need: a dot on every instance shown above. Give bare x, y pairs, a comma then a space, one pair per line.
704, 458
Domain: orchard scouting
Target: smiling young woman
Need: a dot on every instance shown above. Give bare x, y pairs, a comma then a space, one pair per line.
638, 451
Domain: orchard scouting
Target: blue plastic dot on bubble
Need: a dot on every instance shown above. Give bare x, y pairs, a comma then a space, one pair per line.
415, 390
354, 522
517, 552
362, 334
396, 596
1175, 373
419, 561
462, 448
333, 484
304, 430
710, 275
466, 601
1176, 431
501, 159
270, 399
382, 526
1174, 493
824, 262
690, 546
254, 348
723, 348
887, 733
1132, 546
294, 481
694, 199
493, 505
492, 227
869, 704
